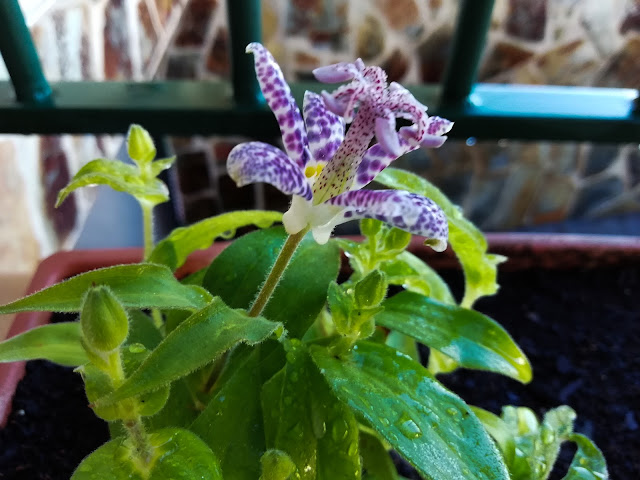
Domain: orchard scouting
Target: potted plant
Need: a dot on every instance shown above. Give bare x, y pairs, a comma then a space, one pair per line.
263, 365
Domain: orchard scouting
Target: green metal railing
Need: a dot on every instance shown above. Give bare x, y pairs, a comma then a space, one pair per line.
483, 111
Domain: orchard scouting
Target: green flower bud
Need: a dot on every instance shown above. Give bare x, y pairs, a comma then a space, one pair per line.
276, 465
103, 320
140, 145
371, 290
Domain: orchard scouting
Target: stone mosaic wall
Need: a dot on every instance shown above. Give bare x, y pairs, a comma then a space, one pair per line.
76, 40
501, 185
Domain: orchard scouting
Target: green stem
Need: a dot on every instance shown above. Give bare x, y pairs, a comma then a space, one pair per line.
280, 265
147, 221
141, 445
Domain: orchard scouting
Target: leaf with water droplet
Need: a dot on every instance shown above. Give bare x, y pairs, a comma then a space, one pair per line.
397, 387
375, 458
472, 339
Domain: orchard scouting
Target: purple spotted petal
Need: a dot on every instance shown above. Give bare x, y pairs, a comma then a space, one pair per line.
407, 211
387, 135
278, 96
404, 105
438, 126
325, 129
339, 72
254, 162
375, 160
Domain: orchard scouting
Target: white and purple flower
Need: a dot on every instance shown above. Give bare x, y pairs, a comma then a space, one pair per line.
325, 169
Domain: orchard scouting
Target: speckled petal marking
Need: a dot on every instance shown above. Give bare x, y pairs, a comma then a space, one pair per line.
407, 211
254, 162
325, 130
375, 160
338, 72
404, 105
278, 96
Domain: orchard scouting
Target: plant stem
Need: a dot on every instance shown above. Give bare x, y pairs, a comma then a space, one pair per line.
143, 450
147, 221
280, 265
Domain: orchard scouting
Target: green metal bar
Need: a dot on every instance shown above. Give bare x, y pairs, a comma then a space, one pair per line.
473, 23
20, 56
245, 26
205, 108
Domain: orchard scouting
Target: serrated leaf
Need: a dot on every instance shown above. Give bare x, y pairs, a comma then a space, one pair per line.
56, 342
136, 286
237, 274
467, 241
472, 339
181, 242
119, 176
178, 455
195, 342
588, 462
431, 427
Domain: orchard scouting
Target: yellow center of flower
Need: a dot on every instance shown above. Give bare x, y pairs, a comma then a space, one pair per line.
312, 171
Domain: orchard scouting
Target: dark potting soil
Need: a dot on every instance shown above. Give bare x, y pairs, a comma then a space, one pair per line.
580, 330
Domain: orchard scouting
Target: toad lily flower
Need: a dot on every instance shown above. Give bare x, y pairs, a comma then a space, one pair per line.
324, 169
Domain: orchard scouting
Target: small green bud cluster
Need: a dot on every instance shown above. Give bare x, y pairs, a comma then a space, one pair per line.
354, 306
104, 322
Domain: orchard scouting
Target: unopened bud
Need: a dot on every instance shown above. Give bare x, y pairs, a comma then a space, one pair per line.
104, 322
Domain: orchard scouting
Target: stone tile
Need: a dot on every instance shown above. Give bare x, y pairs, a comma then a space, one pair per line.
501, 57
55, 176
600, 158
117, 60
19, 248
182, 66
633, 166
482, 199
218, 61
164, 8
553, 202
200, 208
573, 63
195, 22
221, 150
396, 66
149, 38
370, 38
624, 68
591, 196
434, 53
527, 19
631, 21
400, 14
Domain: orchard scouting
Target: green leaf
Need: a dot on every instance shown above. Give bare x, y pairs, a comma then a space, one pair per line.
56, 342
276, 465
303, 418
140, 145
375, 458
416, 276
196, 342
430, 426
119, 176
178, 455
181, 242
231, 424
588, 462
136, 286
237, 274
403, 343
472, 339
498, 429
468, 242
160, 165
142, 330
